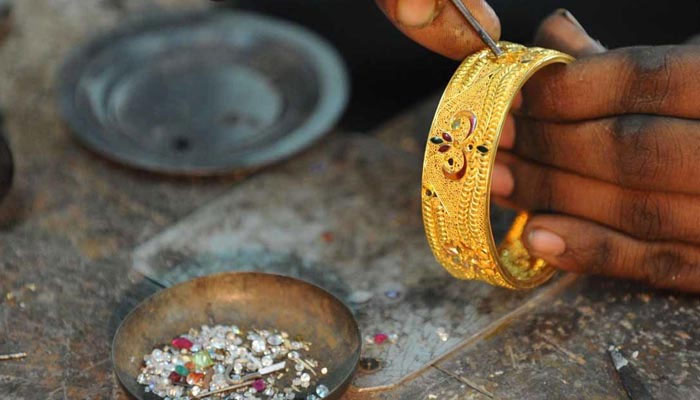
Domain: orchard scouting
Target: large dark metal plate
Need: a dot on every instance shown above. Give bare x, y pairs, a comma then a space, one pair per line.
249, 300
203, 92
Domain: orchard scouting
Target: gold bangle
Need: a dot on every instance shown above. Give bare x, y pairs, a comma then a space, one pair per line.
457, 168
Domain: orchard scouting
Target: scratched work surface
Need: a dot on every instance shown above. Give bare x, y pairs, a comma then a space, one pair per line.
346, 216
72, 221
559, 350
563, 346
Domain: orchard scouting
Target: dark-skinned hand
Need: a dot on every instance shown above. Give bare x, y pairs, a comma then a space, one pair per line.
605, 151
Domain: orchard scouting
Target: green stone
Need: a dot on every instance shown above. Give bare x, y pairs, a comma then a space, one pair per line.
436, 140
182, 370
202, 359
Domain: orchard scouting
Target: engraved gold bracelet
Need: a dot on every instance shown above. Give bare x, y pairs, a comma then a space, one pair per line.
457, 167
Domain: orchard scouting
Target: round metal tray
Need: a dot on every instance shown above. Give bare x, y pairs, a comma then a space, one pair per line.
249, 300
202, 93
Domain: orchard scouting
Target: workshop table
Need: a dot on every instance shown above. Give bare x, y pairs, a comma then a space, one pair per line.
72, 221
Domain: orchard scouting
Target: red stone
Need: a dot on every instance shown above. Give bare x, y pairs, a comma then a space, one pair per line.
195, 378
181, 343
447, 136
380, 338
175, 377
327, 237
259, 385
443, 148
472, 123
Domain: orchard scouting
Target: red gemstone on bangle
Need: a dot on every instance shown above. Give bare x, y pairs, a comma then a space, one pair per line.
472, 123
444, 148
447, 136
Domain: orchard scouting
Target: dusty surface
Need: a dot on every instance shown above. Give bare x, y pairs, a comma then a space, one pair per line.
562, 347
72, 221
346, 216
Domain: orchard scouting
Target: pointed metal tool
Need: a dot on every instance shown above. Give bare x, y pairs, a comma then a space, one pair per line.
630, 379
478, 28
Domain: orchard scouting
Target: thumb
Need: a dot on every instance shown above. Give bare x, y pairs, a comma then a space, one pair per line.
439, 26
561, 31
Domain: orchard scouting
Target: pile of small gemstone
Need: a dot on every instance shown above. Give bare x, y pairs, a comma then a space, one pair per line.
224, 362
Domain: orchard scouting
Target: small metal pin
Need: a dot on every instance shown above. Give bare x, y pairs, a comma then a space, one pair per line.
263, 371
245, 381
14, 356
224, 390
478, 28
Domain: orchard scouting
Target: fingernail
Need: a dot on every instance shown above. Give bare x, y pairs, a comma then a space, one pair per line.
416, 13
502, 182
570, 17
591, 46
546, 243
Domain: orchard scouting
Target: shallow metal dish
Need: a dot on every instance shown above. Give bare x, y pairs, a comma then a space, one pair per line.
249, 300
202, 93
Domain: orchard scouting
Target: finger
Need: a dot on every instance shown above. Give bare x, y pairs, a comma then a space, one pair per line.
508, 132
439, 26
562, 31
634, 80
645, 215
634, 151
582, 246
502, 182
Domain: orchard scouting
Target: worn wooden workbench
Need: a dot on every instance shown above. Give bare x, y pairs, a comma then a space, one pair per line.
72, 221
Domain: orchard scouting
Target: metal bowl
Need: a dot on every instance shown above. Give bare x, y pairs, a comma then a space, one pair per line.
249, 300
203, 93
